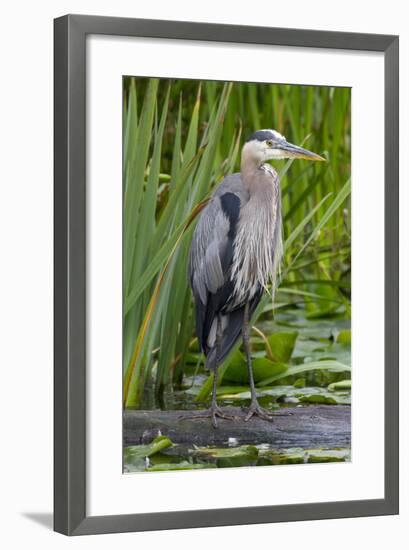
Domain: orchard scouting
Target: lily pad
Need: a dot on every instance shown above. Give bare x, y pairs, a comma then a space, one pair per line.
342, 385
312, 350
232, 390
306, 395
344, 337
284, 456
326, 398
282, 345
179, 466
229, 457
237, 371
318, 399
134, 453
299, 383
287, 394
228, 452
308, 348
302, 456
306, 367
328, 455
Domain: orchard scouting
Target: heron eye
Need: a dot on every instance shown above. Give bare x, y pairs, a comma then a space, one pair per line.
269, 142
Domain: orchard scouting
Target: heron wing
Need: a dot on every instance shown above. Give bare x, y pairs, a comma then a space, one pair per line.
233, 326
212, 254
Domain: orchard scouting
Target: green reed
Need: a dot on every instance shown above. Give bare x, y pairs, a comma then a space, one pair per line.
180, 139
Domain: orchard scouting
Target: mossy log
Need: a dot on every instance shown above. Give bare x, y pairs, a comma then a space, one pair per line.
324, 426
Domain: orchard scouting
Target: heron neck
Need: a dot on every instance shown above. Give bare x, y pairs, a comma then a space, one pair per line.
250, 169
258, 178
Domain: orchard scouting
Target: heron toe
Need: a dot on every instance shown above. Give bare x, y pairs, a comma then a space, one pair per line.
256, 410
213, 413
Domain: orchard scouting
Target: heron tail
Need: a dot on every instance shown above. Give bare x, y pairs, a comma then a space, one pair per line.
232, 323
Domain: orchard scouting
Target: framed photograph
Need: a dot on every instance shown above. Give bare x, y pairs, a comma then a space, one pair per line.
226, 275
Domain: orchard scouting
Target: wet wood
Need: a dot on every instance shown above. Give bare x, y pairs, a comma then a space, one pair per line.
306, 427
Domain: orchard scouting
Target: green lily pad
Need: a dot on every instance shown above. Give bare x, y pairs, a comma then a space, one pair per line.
230, 457
134, 453
228, 452
319, 399
282, 456
344, 337
179, 466
308, 394
237, 371
302, 456
334, 366
264, 368
304, 348
282, 345
244, 394
223, 391
288, 394
325, 397
328, 455
342, 385
312, 350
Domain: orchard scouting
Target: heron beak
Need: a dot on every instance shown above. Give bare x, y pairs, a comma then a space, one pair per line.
293, 151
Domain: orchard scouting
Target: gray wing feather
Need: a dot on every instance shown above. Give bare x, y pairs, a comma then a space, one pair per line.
209, 268
213, 272
210, 240
208, 243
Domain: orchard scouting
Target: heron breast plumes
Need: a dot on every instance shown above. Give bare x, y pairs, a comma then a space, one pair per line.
258, 244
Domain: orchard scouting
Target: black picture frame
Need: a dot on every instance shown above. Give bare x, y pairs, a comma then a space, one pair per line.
70, 34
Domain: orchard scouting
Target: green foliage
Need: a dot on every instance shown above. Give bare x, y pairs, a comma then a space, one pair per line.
230, 457
278, 346
262, 368
141, 451
282, 345
184, 465
334, 366
180, 139
197, 458
344, 337
342, 385
135, 455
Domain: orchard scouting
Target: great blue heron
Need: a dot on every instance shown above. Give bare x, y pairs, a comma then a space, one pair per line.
235, 252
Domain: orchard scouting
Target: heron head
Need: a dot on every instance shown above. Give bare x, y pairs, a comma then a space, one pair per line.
266, 145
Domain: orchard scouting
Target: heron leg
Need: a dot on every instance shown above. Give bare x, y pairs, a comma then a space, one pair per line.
254, 409
215, 411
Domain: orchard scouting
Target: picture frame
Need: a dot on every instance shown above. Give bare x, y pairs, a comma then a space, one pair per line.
70, 252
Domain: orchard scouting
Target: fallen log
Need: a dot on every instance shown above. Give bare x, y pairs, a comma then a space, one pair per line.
324, 426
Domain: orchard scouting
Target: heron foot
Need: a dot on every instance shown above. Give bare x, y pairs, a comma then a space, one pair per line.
256, 410
214, 413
